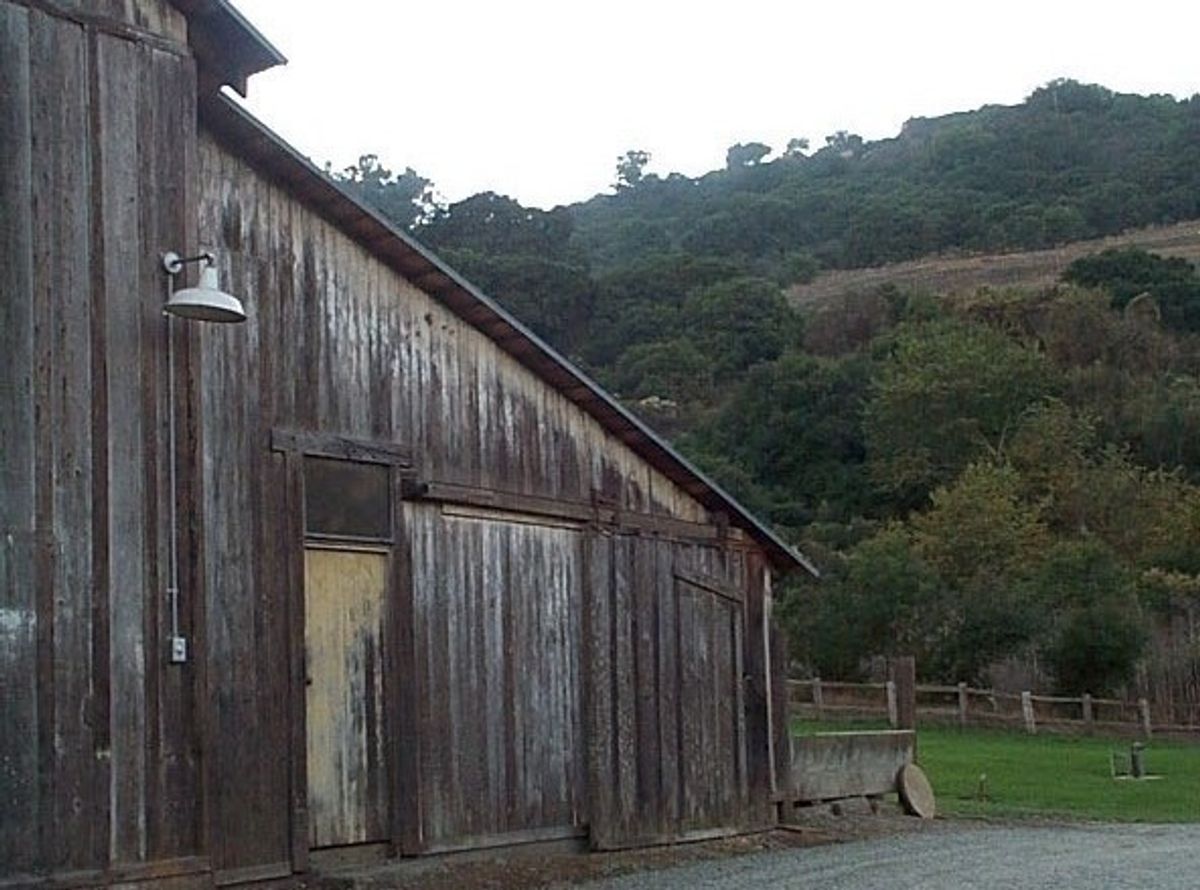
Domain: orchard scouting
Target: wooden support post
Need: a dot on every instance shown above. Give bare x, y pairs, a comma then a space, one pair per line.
1144, 714
893, 714
1089, 717
1027, 712
962, 704
903, 671
818, 697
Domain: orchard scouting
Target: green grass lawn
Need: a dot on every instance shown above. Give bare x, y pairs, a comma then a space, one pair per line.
1054, 776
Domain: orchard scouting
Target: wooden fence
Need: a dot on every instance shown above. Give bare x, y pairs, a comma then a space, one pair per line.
965, 705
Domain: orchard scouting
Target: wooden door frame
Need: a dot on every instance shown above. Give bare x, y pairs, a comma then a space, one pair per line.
401, 698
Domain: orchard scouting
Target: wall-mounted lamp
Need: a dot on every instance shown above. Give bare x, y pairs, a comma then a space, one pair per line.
206, 301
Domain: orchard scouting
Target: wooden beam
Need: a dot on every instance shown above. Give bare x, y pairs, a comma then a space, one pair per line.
710, 583
609, 516
341, 447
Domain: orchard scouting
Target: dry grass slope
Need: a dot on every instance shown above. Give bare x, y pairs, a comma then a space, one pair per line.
959, 275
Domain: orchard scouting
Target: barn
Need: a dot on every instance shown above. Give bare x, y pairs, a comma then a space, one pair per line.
374, 572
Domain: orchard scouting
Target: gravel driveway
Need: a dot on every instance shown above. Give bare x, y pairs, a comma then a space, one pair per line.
1052, 857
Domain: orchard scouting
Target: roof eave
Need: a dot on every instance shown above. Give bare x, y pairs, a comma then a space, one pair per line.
228, 48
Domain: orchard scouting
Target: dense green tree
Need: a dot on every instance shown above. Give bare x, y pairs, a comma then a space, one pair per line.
979, 477
947, 393
1128, 272
746, 154
739, 323
631, 167
796, 424
670, 369
406, 198
881, 600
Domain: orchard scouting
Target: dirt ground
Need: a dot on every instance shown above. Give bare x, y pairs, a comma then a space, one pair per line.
522, 870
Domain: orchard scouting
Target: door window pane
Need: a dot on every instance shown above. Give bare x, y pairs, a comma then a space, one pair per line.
347, 500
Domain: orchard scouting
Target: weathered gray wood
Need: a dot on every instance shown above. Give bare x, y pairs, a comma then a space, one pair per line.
1027, 714
668, 695
119, 65
781, 730
62, 280
645, 681
624, 776
125, 759
168, 88
19, 753
756, 685
598, 690
340, 447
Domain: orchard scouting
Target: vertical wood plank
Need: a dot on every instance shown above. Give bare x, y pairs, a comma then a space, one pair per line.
403, 698
624, 776
62, 285
756, 707
119, 64
19, 751
599, 727
170, 93
668, 691
101, 700
292, 554
649, 810
777, 697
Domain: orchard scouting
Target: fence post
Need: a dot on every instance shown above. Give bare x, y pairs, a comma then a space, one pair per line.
818, 697
1088, 716
903, 671
1027, 712
1144, 713
893, 714
962, 704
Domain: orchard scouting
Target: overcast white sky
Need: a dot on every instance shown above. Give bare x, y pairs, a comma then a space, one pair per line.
536, 99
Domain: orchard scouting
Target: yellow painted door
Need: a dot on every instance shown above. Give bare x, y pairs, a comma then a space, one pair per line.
347, 776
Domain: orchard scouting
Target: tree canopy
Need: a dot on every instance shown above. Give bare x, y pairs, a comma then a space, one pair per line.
1006, 474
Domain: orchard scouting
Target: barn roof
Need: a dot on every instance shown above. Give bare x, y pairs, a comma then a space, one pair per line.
253, 140
228, 48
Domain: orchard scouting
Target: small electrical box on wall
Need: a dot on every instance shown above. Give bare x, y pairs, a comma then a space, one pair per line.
179, 650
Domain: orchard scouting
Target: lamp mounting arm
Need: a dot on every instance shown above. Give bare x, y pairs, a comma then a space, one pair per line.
174, 263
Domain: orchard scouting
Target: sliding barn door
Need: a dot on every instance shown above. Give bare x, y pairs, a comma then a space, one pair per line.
666, 722
343, 618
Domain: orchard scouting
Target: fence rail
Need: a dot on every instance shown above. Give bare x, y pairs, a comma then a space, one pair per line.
970, 706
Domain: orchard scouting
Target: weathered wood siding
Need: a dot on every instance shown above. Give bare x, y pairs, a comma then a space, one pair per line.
668, 748
153, 18
99, 768
498, 611
116, 765
339, 342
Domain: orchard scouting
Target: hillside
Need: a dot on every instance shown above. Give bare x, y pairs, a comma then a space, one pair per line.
965, 275
1015, 475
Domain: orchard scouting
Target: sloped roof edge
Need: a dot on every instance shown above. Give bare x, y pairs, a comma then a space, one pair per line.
228, 47
253, 140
